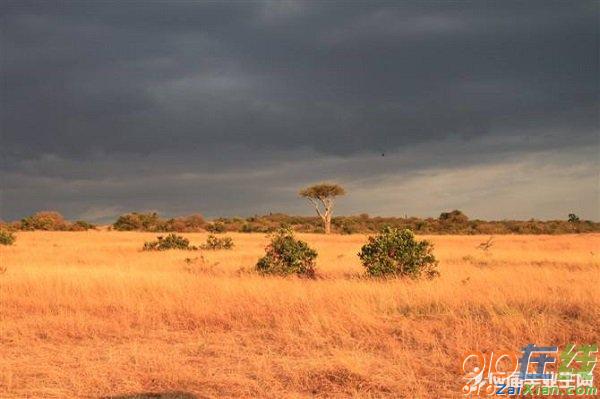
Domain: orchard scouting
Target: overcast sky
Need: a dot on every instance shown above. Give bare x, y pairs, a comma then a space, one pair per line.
228, 108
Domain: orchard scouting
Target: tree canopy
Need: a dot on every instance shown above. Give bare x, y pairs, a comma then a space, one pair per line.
322, 191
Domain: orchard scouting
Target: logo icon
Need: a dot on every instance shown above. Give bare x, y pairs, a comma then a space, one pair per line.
535, 371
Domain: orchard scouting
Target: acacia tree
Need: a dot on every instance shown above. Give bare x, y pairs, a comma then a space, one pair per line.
322, 196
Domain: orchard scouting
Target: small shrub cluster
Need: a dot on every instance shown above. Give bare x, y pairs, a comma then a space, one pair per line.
396, 253
7, 237
454, 217
214, 243
285, 255
171, 241
137, 221
46, 220
186, 224
50, 221
81, 225
216, 227
154, 223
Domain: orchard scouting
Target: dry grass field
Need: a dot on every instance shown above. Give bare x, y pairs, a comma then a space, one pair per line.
87, 314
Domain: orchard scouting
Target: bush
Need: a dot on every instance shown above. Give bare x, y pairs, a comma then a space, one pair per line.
153, 222
50, 221
171, 241
139, 221
213, 242
396, 253
81, 225
455, 216
347, 228
216, 227
189, 223
6, 237
45, 220
285, 255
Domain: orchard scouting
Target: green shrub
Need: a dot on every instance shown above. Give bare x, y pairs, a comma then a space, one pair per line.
455, 216
140, 222
171, 241
153, 222
213, 242
216, 227
81, 225
6, 237
45, 220
286, 255
186, 224
252, 227
347, 229
396, 253
50, 221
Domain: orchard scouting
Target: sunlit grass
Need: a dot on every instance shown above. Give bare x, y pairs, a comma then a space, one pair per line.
89, 314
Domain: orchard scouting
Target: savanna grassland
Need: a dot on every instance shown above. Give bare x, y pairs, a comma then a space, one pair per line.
88, 314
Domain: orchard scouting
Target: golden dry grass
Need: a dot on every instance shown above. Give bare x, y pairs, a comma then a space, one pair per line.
90, 315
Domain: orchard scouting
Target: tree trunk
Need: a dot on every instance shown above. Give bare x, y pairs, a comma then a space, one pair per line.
327, 221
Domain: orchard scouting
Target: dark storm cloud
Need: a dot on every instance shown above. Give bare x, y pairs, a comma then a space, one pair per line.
100, 96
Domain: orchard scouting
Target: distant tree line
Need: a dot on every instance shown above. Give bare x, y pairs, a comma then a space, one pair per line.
455, 222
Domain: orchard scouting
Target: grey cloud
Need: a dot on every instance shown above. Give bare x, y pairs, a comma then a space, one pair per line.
422, 179
95, 93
